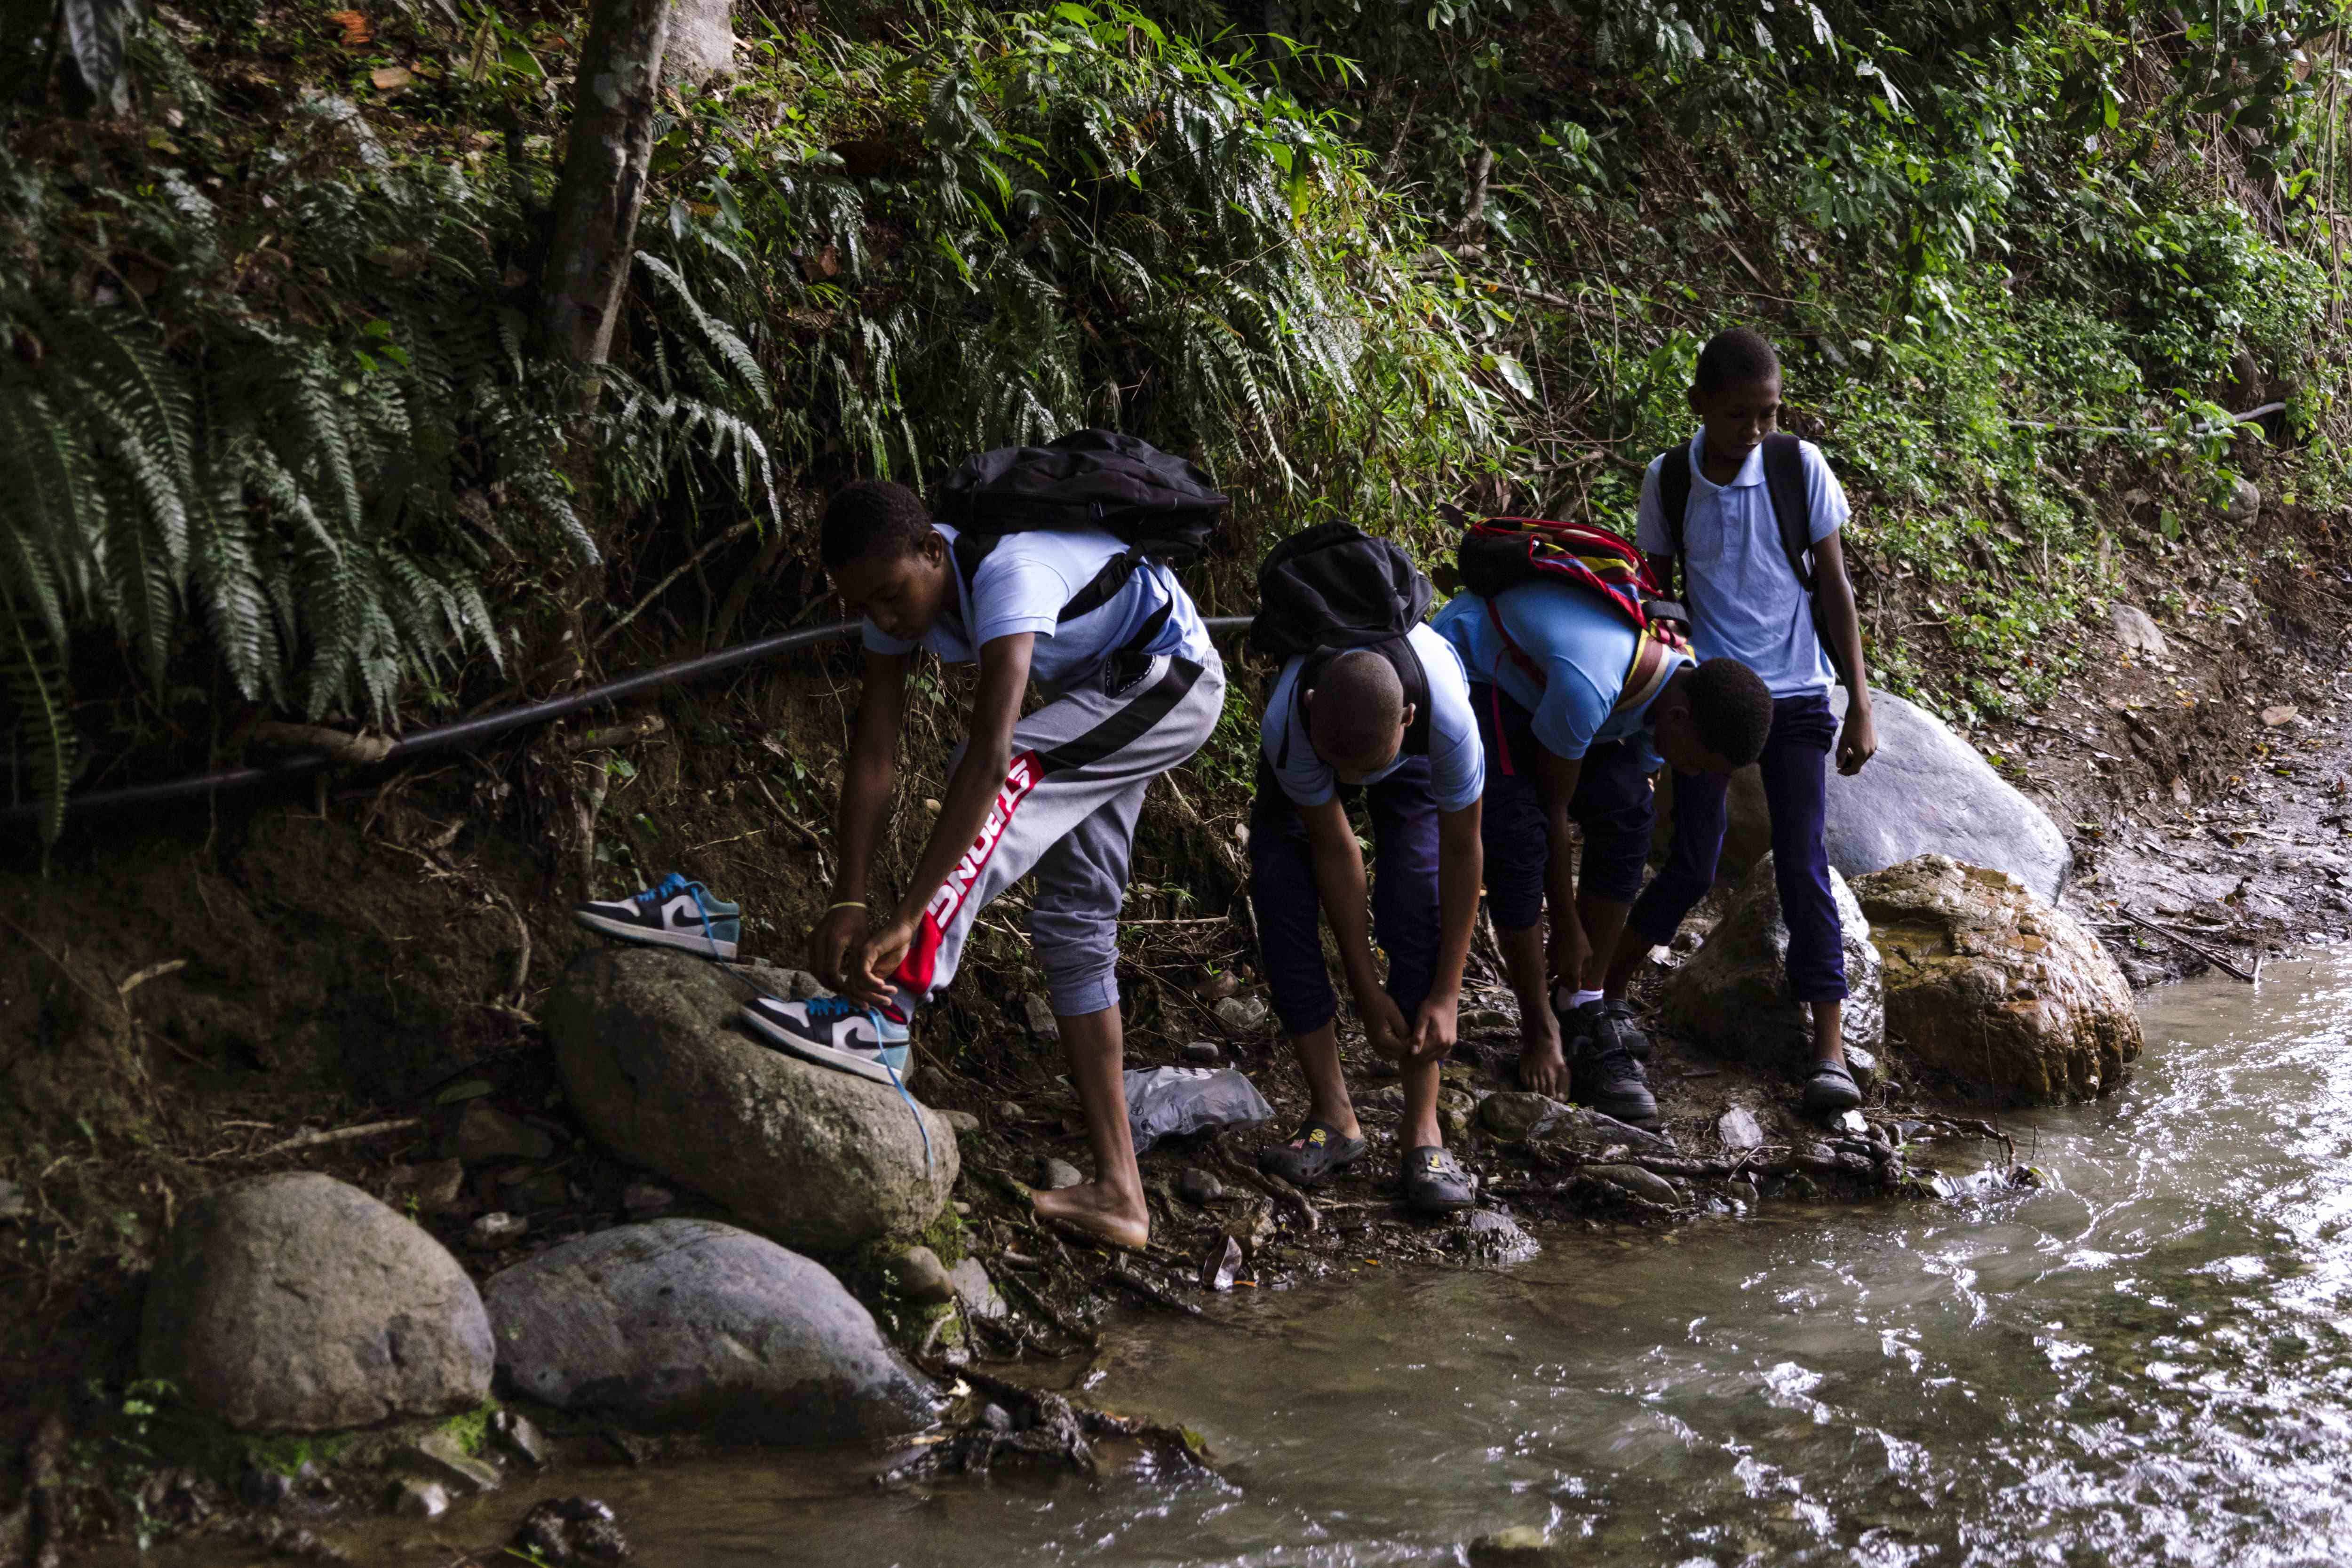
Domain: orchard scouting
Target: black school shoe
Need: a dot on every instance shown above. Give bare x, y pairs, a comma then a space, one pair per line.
1629, 1033
1435, 1182
1602, 1071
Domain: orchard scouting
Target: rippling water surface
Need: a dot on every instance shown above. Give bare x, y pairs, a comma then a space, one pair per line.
2148, 1360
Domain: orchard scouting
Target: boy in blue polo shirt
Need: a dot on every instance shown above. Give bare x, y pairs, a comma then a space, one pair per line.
1335, 725
1745, 582
1575, 723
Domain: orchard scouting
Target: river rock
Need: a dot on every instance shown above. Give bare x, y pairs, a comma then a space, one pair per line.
1732, 998
1243, 1015
978, 1292
298, 1303
1639, 1181
1201, 1053
1052, 1174
413, 1497
921, 1277
2136, 631
484, 1132
657, 1070
963, 1122
1198, 1188
1926, 791
1739, 1130
1521, 1546
440, 1456
1991, 987
1491, 1237
437, 1187
688, 1324
1515, 1115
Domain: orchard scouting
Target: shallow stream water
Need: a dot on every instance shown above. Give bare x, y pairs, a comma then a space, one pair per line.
2150, 1360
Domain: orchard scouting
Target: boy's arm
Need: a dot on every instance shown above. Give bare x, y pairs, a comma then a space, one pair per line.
1833, 592
1339, 884
1558, 776
868, 776
971, 794
1662, 567
1461, 871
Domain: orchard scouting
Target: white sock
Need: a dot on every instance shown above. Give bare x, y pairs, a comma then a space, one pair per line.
1580, 999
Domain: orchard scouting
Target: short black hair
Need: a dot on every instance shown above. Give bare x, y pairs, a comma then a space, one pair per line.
1732, 710
1359, 703
1735, 358
872, 516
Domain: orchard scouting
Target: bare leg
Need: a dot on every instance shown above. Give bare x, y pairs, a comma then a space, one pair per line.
1419, 1129
1829, 1032
1327, 1085
1111, 1205
1542, 1067
1633, 951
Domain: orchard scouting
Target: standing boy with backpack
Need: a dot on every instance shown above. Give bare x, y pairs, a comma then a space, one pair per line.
1033, 584
1369, 701
1753, 517
1582, 693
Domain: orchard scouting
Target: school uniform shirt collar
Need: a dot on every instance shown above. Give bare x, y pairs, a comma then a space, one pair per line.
1751, 472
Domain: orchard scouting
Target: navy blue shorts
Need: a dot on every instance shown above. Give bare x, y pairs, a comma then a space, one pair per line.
1614, 807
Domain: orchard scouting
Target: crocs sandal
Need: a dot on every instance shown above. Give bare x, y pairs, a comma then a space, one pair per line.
1435, 1183
1829, 1088
1318, 1152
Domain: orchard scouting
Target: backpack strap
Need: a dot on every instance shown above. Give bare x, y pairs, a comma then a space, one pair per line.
1792, 510
1674, 502
1784, 481
1653, 664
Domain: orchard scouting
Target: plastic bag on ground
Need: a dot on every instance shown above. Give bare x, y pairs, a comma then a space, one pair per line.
1170, 1102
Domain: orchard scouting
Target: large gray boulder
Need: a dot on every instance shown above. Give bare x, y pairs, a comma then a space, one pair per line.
688, 1324
1926, 791
702, 42
660, 1071
298, 1303
1732, 998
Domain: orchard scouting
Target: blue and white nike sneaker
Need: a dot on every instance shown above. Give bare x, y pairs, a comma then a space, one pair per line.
673, 912
832, 1032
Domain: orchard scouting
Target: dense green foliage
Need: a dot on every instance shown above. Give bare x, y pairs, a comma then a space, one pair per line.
274, 422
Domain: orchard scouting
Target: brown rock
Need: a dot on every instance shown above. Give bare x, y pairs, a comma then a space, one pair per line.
1989, 985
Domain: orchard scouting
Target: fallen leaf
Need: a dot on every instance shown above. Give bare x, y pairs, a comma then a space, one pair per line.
356, 30
391, 79
2274, 717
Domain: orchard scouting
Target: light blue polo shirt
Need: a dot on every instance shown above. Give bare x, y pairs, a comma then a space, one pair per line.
1457, 763
1581, 648
1744, 601
1022, 587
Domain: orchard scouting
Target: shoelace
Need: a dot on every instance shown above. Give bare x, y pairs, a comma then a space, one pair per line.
675, 884
841, 1006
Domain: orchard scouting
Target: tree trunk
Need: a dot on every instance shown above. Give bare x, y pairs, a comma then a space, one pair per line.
603, 183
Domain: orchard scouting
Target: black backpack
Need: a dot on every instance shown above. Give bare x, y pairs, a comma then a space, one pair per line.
1784, 481
1160, 505
1332, 589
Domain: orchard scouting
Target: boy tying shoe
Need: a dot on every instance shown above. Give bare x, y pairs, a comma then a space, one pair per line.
1135, 689
1579, 698
1753, 517
1369, 701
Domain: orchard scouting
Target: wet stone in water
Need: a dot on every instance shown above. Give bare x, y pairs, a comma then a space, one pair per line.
570, 1530
413, 1497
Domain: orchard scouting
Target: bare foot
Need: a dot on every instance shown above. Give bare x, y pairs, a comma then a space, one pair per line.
1098, 1211
1542, 1067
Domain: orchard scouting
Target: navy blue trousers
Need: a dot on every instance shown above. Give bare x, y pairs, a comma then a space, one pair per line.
1795, 765
1613, 804
1289, 912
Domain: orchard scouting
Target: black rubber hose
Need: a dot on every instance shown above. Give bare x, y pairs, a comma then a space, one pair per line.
466, 732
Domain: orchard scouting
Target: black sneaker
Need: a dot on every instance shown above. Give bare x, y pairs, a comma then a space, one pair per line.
1578, 1021
1435, 1183
673, 912
1602, 1071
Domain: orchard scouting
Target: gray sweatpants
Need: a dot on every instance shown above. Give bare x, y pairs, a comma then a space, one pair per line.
1067, 810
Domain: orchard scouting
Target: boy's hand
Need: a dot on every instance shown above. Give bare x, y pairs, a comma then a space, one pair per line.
879, 957
836, 933
1570, 952
1437, 1027
1858, 742
1384, 1029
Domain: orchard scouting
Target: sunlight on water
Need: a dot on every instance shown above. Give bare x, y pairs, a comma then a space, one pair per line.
2148, 1360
